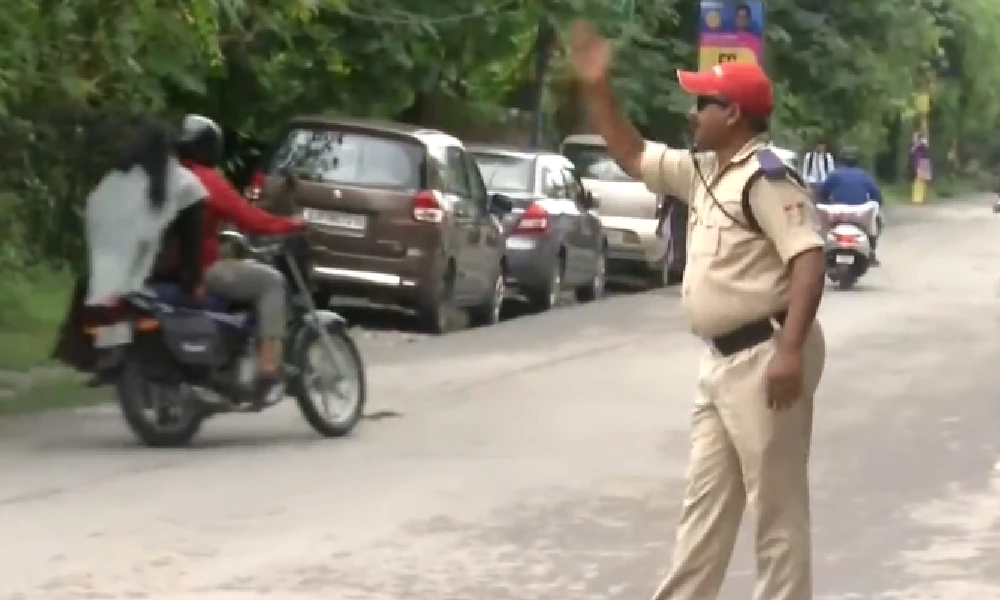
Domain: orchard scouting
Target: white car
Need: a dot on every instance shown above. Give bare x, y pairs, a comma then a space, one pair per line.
628, 212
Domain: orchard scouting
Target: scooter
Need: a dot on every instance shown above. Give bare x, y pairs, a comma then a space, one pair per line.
848, 247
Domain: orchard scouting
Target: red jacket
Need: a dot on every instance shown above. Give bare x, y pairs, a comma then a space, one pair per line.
226, 205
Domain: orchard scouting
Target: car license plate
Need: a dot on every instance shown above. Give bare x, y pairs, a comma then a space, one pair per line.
110, 336
845, 259
338, 220
520, 243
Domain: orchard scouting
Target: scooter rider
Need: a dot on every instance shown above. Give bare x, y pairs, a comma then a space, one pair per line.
200, 149
850, 185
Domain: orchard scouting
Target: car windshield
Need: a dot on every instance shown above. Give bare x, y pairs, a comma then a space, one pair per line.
329, 156
505, 173
594, 162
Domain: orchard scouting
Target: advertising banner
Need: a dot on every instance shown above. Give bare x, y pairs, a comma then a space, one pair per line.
730, 31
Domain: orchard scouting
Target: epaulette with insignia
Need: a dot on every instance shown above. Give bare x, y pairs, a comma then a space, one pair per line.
771, 165
771, 168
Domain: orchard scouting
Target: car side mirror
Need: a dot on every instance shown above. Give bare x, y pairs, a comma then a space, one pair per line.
501, 204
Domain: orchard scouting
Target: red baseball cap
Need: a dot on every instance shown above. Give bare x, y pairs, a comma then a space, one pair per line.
743, 83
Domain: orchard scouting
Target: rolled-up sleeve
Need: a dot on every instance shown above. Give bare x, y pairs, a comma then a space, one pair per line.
666, 170
786, 216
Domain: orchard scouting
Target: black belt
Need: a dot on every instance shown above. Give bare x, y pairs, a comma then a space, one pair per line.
748, 336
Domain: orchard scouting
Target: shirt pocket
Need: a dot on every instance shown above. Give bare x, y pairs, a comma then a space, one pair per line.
705, 240
709, 233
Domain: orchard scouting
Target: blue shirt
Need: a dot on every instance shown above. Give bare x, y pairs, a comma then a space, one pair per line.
851, 186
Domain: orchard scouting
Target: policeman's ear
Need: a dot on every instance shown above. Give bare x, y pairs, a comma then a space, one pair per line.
733, 115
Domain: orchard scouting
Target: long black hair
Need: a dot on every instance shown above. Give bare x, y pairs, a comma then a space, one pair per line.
149, 149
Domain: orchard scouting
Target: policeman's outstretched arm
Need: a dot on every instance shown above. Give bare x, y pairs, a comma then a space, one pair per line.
663, 170
781, 208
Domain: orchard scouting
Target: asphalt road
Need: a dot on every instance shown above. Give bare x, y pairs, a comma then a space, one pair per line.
542, 460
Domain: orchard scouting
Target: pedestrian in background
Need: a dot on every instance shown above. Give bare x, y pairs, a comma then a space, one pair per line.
920, 168
817, 164
753, 284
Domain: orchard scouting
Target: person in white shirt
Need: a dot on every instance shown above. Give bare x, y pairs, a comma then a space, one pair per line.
817, 165
147, 201
130, 211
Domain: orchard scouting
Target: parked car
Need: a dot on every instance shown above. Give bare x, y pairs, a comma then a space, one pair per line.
554, 237
400, 215
672, 213
629, 212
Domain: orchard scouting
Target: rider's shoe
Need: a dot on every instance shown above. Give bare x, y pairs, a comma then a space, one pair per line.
875, 261
270, 389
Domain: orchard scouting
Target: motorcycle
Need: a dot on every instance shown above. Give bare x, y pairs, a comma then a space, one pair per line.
848, 247
176, 362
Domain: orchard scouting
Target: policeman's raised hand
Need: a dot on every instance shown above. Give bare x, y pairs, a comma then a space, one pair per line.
784, 379
589, 52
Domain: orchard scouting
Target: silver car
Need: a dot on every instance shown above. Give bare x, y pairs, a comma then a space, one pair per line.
554, 237
629, 212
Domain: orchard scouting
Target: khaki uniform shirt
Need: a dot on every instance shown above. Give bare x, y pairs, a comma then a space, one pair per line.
734, 276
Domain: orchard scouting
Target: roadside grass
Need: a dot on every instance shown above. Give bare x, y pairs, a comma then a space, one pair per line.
32, 309
53, 392
945, 188
897, 192
30, 316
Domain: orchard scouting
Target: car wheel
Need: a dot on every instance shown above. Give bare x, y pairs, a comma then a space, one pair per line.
488, 313
547, 296
659, 273
438, 316
321, 299
595, 288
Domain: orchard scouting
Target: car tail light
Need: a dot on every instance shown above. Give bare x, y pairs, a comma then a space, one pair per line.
427, 208
534, 219
253, 191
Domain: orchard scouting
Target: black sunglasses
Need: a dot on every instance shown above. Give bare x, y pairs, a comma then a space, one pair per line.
703, 102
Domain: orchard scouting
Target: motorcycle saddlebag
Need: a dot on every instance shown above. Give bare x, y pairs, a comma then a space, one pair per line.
192, 338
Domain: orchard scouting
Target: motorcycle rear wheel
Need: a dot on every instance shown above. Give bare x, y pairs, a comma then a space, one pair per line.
177, 417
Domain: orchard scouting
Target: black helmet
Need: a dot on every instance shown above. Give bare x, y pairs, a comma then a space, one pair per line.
201, 141
849, 156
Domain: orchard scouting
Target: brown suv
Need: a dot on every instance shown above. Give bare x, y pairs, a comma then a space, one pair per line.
399, 215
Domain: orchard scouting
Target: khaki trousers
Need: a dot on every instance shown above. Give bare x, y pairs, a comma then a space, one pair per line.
743, 452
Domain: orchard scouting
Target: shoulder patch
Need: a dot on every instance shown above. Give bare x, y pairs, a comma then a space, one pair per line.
771, 165
771, 168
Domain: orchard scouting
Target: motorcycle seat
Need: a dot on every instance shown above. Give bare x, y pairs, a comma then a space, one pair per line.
172, 294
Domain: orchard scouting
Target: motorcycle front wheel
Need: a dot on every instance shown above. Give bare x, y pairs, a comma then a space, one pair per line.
160, 415
330, 393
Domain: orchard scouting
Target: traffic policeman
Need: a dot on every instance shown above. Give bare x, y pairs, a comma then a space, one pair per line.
752, 286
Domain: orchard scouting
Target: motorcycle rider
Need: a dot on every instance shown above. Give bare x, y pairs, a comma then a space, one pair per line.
200, 149
850, 185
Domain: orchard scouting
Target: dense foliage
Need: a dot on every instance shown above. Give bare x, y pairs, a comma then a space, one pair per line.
71, 71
